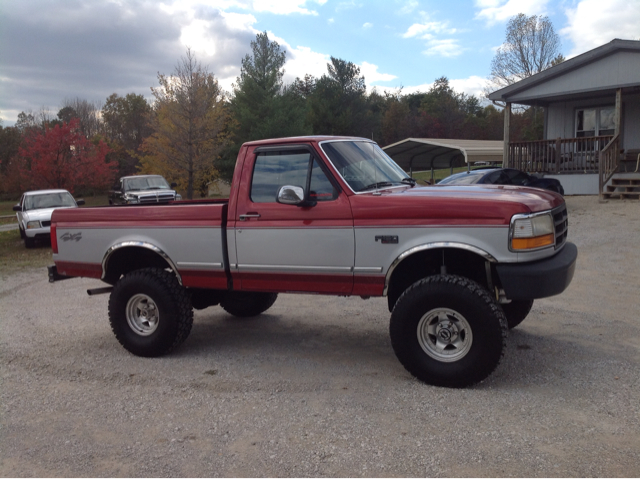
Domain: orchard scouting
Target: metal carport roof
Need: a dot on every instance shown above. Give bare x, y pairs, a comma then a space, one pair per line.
420, 154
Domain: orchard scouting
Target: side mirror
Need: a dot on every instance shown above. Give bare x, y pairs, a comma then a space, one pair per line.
293, 195
290, 195
17, 208
80, 202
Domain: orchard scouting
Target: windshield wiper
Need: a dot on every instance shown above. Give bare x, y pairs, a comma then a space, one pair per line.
409, 181
374, 186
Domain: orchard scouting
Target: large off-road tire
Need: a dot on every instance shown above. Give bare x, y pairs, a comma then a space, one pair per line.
247, 304
516, 311
150, 313
448, 331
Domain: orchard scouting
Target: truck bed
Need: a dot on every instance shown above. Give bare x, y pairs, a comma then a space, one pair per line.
189, 234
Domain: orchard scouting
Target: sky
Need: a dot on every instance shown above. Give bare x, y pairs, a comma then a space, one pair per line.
57, 50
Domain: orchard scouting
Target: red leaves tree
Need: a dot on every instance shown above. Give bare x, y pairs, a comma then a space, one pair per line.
62, 157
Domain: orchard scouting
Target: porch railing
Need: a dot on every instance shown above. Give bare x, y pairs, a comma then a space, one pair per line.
609, 160
562, 155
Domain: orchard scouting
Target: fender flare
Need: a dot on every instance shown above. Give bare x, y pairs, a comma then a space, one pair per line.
139, 244
437, 245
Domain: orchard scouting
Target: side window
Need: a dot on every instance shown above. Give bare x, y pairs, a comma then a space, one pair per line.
517, 177
494, 178
321, 188
274, 169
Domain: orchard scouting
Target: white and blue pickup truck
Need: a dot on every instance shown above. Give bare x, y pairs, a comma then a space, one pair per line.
459, 266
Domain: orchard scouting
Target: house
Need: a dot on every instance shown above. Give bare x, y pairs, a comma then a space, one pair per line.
592, 121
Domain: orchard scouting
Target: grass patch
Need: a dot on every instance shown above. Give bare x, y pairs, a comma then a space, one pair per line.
14, 257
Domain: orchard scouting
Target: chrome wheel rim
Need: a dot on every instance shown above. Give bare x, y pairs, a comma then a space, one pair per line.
142, 314
445, 335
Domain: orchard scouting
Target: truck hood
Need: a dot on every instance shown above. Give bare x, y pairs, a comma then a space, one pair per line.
462, 205
42, 214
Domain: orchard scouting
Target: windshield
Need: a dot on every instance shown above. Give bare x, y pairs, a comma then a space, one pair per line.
363, 165
146, 183
48, 200
462, 179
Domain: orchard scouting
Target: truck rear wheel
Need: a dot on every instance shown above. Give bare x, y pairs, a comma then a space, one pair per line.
150, 313
247, 304
516, 311
448, 331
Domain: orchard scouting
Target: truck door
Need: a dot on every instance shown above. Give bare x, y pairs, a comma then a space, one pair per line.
283, 247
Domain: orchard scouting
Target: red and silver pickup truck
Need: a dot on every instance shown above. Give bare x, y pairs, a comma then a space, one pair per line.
331, 215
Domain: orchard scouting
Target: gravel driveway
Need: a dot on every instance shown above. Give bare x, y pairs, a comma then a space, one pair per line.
312, 388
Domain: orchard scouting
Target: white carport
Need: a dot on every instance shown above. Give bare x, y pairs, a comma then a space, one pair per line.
422, 154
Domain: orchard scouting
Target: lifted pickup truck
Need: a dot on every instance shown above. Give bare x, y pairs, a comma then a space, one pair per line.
332, 215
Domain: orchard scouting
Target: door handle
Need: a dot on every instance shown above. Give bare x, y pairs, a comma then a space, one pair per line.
246, 216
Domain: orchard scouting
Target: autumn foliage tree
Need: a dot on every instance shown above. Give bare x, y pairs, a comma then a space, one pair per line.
189, 122
61, 157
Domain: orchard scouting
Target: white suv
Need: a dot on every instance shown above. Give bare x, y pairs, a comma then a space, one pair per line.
34, 212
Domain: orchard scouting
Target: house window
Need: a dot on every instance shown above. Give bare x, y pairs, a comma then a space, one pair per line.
595, 122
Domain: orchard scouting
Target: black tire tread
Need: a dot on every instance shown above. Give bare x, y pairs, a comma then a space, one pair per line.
404, 303
167, 282
516, 311
247, 304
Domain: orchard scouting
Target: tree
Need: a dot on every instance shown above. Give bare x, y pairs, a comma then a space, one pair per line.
262, 106
62, 157
338, 104
126, 125
189, 121
87, 113
531, 46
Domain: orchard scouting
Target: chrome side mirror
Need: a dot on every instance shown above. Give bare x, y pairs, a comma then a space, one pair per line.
290, 195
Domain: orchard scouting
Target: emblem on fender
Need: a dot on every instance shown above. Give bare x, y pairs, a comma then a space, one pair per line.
71, 237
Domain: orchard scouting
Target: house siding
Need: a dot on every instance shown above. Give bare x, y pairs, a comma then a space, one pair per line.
614, 71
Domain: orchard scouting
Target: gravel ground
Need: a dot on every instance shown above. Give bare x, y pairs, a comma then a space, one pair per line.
312, 387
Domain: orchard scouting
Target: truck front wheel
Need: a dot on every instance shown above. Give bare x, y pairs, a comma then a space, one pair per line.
448, 331
150, 313
247, 304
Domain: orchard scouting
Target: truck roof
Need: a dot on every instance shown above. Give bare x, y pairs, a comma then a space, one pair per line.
299, 139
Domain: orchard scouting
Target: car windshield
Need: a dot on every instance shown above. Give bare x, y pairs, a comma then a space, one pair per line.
462, 179
363, 165
146, 183
48, 200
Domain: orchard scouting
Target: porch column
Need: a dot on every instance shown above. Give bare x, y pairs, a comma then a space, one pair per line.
505, 136
618, 118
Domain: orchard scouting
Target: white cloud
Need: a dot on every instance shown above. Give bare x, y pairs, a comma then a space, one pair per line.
495, 11
408, 7
367, 25
371, 74
470, 86
593, 23
425, 30
444, 48
285, 7
301, 60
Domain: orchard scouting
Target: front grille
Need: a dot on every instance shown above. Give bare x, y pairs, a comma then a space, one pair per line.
46, 223
561, 222
156, 198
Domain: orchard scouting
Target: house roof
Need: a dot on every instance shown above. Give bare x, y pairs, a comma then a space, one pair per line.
598, 72
419, 154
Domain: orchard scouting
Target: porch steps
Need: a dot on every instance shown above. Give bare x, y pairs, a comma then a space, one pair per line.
623, 186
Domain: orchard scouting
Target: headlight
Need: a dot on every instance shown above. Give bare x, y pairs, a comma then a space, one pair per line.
178, 197
131, 199
33, 224
530, 232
